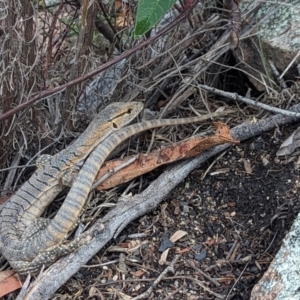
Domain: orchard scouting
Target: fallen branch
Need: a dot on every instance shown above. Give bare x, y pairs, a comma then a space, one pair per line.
130, 207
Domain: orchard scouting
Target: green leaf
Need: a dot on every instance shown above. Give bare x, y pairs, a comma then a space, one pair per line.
149, 13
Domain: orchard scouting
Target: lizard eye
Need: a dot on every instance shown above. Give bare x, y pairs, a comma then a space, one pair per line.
129, 110
115, 125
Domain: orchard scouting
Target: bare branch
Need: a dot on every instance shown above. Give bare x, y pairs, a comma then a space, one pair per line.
89, 75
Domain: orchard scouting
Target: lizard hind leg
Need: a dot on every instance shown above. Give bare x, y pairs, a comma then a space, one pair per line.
49, 256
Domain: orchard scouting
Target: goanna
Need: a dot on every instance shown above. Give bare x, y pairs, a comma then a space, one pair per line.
47, 243
20, 225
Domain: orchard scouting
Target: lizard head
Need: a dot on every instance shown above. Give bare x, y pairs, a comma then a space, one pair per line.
121, 114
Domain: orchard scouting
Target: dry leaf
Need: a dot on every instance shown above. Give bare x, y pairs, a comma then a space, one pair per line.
124, 296
177, 235
147, 162
210, 241
221, 136
181, 251
290, 144
124, 17
247, 166
138, 273
93, 292
9, 282
264, 159
163, 258
127, 247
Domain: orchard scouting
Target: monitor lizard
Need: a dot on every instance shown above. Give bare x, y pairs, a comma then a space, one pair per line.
46, 244
19, 217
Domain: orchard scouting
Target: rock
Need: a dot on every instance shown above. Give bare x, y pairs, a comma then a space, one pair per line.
277, 39
282, 279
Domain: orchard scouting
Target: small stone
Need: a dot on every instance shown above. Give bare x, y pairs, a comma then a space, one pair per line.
200, 256
165, 244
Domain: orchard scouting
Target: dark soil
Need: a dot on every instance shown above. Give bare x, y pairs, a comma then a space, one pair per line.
235, 219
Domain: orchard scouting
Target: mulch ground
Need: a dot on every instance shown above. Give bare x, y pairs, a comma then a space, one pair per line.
235, 218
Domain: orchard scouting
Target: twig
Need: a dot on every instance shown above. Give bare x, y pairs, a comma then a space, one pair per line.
50, 39
277, 75
211, 165
235, 249
231, 249
290, 64
192, 265
170, 268
237, 280
271, 243
171, 295
11, 175
204, 287
235, 96
24, 288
